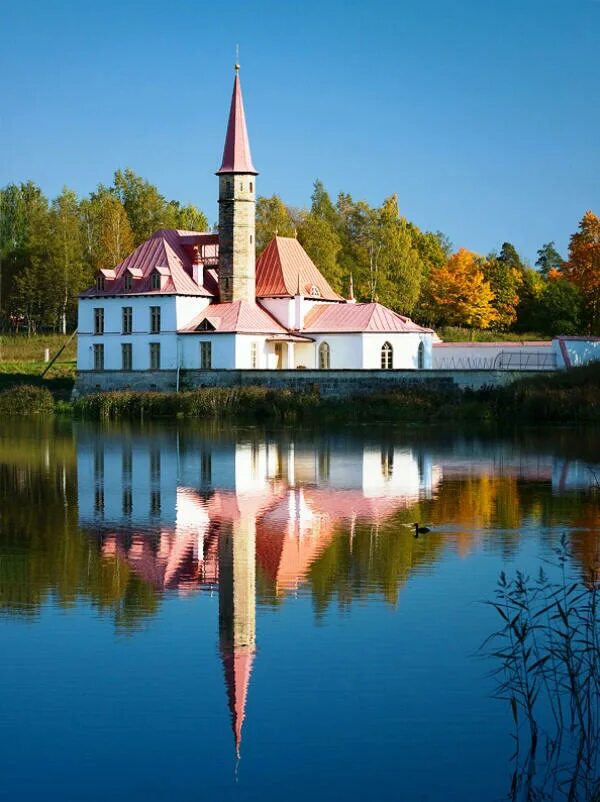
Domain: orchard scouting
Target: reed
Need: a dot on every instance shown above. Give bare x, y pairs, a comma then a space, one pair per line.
547, 652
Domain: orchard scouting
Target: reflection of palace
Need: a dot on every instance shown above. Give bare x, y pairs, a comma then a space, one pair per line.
192, 513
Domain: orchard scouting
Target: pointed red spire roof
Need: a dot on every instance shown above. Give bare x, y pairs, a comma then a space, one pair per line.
237, 662
236, 153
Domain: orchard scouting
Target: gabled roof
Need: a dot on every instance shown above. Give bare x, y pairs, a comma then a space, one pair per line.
169, 252
371, 317
240, 317
284, 268
236, 153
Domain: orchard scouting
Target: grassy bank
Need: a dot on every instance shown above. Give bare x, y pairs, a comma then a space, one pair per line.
565, 397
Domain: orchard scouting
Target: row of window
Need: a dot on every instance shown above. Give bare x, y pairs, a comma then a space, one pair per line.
154, 349
127, 320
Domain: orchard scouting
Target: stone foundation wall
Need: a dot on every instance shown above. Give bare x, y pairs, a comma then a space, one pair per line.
340, 383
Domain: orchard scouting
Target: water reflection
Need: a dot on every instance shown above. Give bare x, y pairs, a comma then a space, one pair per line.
122, 516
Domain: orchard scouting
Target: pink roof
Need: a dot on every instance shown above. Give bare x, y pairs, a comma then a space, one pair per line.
170, 252
236, 153
241, 316
358, 318
284, 266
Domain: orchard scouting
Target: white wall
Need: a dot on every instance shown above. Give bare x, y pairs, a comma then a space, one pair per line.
465, 356
406, 350
187, 307
345, 350
222, 355
140, 337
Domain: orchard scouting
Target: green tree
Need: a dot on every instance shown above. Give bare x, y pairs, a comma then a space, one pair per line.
505, 280
559, 308
67, 269
509, 257
321, 205
12, 227
146, 208
322, 243
272, 218
190, 218
549, 259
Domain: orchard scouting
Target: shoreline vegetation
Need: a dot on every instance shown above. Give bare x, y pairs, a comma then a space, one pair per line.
570, 396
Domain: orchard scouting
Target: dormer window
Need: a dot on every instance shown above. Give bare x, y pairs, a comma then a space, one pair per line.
315, 292
128, 283
155, 280
100, 282
205, 325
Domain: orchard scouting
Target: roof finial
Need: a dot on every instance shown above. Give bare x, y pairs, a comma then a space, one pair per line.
237, 58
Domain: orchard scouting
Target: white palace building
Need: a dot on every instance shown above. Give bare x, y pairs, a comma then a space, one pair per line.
193, 300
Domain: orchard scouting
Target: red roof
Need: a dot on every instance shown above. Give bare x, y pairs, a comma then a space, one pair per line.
358, 318
168, 251
236, 153
241, 317
284, 266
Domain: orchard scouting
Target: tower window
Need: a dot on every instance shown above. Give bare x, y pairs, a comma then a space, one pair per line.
250, 239
251, 186
241, 186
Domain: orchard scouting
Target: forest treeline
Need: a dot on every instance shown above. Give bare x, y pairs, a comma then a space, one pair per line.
50, 251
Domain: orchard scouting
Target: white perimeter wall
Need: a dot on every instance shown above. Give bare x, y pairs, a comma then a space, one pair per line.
406, 350
465, 356
580, 351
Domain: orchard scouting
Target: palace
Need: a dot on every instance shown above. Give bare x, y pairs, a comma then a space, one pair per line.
201, 301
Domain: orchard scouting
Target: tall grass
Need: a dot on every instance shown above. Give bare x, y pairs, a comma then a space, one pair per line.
547, 651
21, 348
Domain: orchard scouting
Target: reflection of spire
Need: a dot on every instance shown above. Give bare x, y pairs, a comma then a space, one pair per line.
237, 615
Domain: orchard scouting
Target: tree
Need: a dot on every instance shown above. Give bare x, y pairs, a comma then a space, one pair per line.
400, 268
559, 308
549, 259
190, 218
505, 281
272, 218
321, 205
460, 294
322, 243
146, 208
66, 267
12, 226
509, 257
583, 267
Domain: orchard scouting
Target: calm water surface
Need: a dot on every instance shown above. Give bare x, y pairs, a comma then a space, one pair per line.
192, 613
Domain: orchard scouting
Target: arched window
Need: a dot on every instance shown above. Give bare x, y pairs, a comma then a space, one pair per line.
156, 282
387, 356
324, 354
421, 356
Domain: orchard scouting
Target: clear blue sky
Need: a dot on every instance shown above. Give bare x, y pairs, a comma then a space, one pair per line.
482, 115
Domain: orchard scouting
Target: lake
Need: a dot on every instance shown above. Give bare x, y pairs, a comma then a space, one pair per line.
193, 612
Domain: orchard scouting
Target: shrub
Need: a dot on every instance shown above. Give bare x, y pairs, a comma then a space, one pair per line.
26, 399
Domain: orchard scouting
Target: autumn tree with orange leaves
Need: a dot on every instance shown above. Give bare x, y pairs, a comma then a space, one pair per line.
583, 267
460, 295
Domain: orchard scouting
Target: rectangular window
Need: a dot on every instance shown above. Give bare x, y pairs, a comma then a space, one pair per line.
154, 319
156, 280
126, 357
254, 356
128, 281
154, 356
98, 357
205, 356
127, 319
99, 320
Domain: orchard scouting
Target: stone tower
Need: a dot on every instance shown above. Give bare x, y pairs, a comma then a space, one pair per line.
237, 207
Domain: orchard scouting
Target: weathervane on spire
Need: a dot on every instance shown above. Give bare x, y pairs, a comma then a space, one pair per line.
237, 58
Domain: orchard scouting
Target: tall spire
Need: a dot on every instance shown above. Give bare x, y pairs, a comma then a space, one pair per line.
236, 153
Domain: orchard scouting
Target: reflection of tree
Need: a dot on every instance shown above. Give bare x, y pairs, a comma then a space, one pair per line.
369, 560
45, 555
